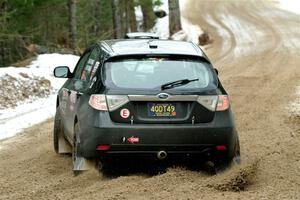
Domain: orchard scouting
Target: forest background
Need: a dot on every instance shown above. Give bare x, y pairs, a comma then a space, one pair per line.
29, 27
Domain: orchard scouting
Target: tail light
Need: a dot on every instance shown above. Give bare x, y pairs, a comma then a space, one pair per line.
98, 102
108, 102
223, 103
214, 102
116, 101
208, 102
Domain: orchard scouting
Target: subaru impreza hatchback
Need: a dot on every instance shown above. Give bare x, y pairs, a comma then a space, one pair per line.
143, 97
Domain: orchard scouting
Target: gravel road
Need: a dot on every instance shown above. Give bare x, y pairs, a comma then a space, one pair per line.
257, 51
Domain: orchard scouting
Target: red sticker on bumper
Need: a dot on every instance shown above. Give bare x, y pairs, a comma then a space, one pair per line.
133, 139
124, 113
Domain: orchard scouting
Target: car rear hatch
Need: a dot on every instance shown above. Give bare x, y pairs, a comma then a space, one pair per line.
158, 90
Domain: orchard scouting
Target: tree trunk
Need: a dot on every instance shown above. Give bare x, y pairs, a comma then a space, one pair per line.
131, 16
148, 14
3, 27
72, 23
116, 18
125, 16
96, 14
174, 17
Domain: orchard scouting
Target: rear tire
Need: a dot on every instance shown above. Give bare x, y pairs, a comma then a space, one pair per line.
235, 159
107, 167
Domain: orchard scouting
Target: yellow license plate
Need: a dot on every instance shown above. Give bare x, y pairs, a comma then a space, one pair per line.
161, 109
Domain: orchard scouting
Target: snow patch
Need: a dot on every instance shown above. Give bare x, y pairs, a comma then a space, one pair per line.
44, 65
289, 34
139, 17
192, 31
161, 27
290, 5
189, 32
15, 120
221, 31
247, 35
26, 114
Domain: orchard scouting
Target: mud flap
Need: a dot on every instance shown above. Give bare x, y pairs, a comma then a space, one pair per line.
81, 164
63, 145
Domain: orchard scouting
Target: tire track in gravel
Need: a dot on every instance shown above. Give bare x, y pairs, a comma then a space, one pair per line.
228, 30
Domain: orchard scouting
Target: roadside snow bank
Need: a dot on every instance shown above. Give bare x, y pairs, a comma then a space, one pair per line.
37, 77
44, 65
14, 120
189, 32
15, 90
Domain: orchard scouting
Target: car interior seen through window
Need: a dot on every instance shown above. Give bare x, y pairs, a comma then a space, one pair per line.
151, 73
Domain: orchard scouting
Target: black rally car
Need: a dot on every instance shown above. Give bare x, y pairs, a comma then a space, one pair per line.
143, 96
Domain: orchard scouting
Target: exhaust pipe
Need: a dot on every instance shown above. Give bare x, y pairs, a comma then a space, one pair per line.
161, 155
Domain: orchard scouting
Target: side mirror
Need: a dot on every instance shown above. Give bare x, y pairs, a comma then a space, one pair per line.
62, 72
217, 71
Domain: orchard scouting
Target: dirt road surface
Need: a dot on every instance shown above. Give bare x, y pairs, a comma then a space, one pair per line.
256, 49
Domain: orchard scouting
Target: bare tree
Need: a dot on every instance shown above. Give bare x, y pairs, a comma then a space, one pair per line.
72, 23
174, 17
115, 4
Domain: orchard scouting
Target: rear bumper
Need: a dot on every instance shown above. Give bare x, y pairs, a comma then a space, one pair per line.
172, 138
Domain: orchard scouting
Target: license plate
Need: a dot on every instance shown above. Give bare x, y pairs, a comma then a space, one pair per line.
161, 109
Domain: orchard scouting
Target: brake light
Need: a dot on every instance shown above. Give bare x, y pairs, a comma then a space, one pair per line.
223, 103
98, 102
102, 147
214, 102
221, 147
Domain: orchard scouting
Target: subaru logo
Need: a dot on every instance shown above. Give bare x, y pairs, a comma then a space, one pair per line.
163, 95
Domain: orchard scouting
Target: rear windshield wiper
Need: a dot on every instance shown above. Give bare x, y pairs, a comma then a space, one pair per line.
177, 83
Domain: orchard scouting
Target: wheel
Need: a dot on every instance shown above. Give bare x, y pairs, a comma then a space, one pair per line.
80, 163
222, 164
57, 131
105, 166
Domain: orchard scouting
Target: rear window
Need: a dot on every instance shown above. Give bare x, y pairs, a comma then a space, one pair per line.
151, 73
